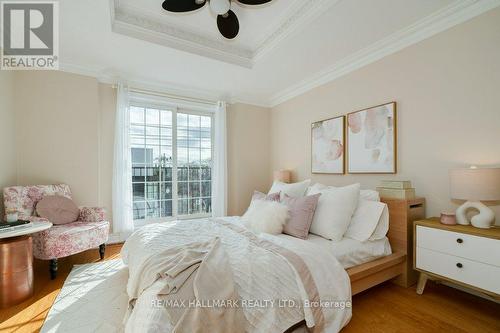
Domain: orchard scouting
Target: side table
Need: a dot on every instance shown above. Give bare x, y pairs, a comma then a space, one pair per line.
16, 263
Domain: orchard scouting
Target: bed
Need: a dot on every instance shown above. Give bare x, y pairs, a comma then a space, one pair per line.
353, 266
350, 252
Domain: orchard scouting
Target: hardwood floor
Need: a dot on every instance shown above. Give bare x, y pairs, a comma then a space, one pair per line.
29, 315
386, 308
389, 308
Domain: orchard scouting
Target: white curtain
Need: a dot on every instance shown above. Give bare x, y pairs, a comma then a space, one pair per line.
123, 223
219, 172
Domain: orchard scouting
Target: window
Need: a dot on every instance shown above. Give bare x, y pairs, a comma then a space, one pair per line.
171, 162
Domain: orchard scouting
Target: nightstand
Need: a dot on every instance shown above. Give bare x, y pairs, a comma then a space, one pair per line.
460, 254
16, 263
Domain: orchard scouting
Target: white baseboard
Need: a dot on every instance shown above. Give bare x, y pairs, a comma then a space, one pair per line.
115, 239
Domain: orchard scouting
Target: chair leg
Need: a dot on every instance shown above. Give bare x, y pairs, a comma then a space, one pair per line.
53, 268
102, 250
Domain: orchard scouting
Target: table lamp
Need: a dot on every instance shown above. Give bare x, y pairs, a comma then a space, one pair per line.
283, 176
475, 185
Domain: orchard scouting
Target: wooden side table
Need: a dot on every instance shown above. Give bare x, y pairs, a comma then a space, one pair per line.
16, 264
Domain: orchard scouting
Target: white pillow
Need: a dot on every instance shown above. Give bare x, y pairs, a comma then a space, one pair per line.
316, 188
371, 195
366, 218
382, 226
266, 216
334, 211
295, 190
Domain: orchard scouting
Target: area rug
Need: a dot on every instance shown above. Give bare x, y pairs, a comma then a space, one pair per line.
93, 299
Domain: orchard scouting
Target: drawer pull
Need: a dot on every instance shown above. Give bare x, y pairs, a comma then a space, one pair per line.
459, 265
460, 240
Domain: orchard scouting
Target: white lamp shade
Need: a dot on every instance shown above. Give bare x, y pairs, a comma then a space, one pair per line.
220, 7
481, 184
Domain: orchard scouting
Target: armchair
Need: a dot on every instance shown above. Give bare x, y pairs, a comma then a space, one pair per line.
90, 231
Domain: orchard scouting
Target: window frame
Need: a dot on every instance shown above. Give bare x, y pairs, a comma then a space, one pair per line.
189, 108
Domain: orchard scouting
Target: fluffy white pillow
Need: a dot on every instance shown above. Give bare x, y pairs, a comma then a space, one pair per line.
334, 211
294, 190
266, 216
366, 218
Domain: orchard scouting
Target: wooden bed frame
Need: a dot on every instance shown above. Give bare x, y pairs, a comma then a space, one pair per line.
398, 266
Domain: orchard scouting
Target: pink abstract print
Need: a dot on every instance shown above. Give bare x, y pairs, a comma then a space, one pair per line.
372, 140
327, 139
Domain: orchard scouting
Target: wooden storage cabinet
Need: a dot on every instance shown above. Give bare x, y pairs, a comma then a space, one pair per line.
401, 234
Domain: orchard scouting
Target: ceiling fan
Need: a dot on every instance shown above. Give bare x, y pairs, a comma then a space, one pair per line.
227, 22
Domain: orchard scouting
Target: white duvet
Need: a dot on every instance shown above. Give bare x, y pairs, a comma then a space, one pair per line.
271, 288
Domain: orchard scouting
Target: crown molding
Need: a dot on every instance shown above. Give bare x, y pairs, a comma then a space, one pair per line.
423, 29
431, 25
112, 77
148, 27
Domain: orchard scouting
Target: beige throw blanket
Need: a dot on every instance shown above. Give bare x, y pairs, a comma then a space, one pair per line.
198, 273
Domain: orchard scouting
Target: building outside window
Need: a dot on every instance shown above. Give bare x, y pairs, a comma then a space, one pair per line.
171, 153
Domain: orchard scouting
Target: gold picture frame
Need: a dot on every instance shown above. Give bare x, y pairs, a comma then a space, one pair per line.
369, 151
328, 146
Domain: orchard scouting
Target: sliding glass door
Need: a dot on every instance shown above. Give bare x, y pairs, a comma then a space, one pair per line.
171, 152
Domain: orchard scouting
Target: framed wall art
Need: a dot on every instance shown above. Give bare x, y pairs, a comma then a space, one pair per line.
371, 140
328, 146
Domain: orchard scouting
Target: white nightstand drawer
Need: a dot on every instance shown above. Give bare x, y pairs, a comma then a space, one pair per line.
485, 250
473, 273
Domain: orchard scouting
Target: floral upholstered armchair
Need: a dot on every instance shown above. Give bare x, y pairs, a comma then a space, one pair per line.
90, 231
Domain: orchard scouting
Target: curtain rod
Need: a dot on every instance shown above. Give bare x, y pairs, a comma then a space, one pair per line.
177, 97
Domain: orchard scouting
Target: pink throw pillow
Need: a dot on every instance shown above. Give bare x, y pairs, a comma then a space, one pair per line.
268, 197
301, 211
58, 209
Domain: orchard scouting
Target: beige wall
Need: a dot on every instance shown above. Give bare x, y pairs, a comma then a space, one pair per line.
447, 90
65, 133
57, 130
449, 115
248, 154
7, 133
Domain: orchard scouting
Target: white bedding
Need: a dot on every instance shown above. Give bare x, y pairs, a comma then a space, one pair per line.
350, 252
256, 277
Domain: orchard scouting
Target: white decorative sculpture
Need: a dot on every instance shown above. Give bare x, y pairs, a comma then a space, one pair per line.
478, 184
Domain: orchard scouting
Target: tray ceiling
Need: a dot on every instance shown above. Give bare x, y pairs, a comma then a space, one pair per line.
283, 50
261, 27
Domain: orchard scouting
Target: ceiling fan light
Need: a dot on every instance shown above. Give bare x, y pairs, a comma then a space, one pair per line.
220, 7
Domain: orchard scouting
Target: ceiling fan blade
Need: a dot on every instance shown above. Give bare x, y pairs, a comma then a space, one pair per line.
181, 6
253, 2
228, 25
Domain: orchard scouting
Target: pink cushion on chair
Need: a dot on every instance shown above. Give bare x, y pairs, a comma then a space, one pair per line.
58, 209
